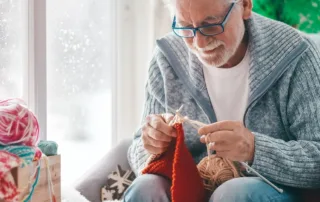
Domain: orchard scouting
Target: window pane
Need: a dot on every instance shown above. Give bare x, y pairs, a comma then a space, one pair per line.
79, 85
13, 41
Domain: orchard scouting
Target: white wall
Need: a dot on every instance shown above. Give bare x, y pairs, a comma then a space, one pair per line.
139, 24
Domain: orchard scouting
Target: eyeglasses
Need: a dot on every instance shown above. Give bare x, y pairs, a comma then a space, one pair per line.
206, 30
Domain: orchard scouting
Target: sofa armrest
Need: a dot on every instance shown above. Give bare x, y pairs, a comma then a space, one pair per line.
91, 182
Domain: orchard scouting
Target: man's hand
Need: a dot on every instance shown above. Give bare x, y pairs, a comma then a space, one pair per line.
157, 134
230, 139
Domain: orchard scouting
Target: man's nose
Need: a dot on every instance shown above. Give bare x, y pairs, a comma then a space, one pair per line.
200, 40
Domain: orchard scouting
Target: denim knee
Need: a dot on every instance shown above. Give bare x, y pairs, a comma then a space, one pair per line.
250, 189
147, 188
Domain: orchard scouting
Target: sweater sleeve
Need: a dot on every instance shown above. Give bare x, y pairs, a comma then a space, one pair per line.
296, 163
154, 104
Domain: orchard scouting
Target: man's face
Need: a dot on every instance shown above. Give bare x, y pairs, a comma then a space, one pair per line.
212, 50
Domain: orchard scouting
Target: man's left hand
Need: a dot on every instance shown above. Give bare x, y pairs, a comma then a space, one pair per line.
230, 139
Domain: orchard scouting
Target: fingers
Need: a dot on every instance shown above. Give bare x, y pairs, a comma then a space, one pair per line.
218, 126
229, 139
221, 146
224, 154
154, 146
159, 124
167, 117
148, 140
156, 135
217, 137
154, 150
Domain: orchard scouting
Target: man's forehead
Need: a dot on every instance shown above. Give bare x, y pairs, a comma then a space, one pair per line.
187, 4
212, 10
181, 20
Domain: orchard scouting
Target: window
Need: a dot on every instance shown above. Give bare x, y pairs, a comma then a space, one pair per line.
13, 47
81, 66
74, 105
79, 62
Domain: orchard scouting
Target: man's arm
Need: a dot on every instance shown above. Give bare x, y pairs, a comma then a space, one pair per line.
296, 163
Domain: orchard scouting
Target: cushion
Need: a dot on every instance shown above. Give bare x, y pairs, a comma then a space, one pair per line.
117, 183
90, 184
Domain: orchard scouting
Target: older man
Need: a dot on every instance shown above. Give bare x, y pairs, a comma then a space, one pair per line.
254, 81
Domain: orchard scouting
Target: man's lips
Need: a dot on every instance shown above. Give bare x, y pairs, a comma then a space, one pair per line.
208, 52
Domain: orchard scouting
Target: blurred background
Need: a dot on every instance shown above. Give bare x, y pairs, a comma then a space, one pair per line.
301, 14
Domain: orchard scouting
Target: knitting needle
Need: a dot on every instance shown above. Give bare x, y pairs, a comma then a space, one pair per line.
263, 178
197, 125
170, 110
176, 117
173, 111
179, 110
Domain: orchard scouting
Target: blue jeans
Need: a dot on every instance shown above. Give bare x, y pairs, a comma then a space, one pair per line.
153, 188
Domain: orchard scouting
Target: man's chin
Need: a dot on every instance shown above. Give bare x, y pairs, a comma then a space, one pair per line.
212, 62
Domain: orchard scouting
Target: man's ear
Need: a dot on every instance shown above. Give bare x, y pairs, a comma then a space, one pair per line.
247, 9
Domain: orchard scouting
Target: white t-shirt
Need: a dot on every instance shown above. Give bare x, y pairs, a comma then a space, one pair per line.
228, 89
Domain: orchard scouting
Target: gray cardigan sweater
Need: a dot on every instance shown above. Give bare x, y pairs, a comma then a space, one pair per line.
284, 100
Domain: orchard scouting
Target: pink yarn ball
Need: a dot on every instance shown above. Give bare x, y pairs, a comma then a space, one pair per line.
18, 125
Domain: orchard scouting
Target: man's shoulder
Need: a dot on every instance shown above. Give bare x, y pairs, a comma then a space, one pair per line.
266, 29
173, 44
170, 37
312, 54
315, 38
165, 47
307, 69
170, 49
275, 41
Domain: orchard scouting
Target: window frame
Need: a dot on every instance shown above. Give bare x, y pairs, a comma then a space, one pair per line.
35, 84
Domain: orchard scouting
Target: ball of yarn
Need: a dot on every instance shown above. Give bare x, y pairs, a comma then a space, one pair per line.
219, 171
49, 148
18, 125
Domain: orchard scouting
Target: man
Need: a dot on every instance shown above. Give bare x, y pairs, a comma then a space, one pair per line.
254, 81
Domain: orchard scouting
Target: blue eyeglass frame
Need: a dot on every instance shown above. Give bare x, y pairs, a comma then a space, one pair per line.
222, 24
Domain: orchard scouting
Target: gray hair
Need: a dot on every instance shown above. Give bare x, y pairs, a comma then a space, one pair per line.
170, 4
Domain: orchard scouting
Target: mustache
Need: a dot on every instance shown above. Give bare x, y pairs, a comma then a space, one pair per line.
212, 45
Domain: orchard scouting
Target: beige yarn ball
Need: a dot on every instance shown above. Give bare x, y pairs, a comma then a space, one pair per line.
217, 172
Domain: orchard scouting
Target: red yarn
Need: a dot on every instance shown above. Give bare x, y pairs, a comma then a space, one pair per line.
18, 125
178, 165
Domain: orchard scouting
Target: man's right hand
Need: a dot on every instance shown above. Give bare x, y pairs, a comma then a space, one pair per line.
157, 134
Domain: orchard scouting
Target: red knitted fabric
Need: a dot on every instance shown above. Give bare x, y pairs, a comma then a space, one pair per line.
178, 165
